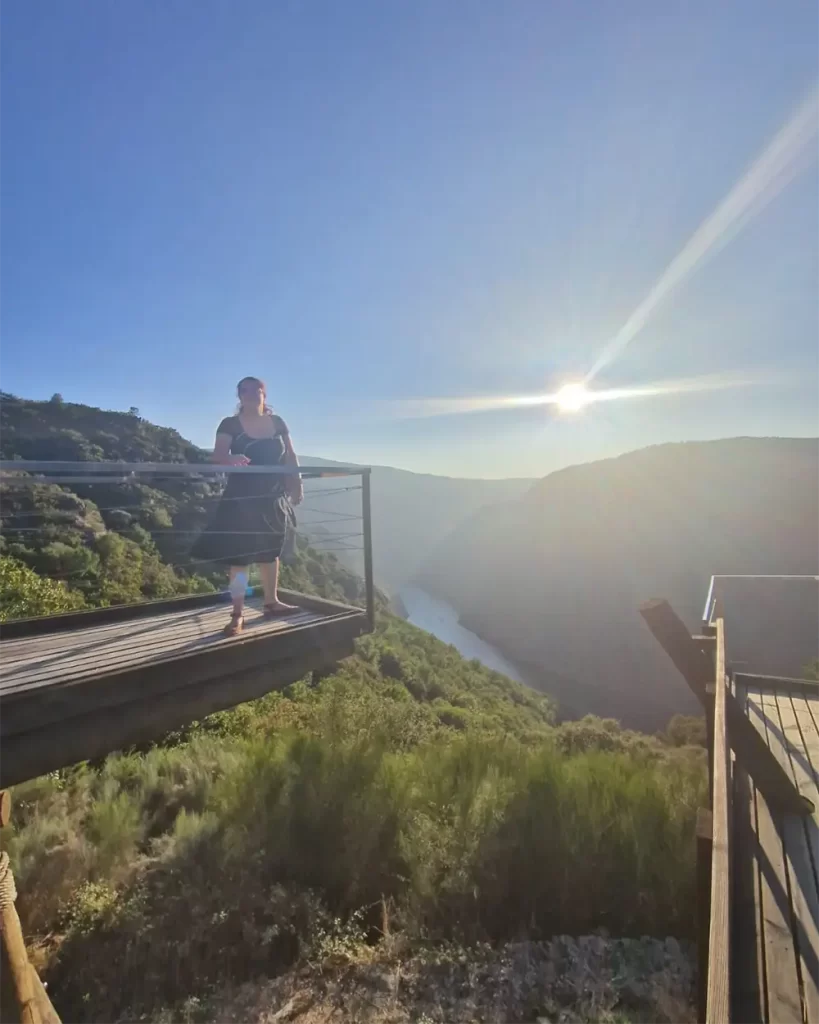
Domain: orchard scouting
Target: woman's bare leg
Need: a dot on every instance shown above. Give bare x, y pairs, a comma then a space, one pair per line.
269, 572
238, 598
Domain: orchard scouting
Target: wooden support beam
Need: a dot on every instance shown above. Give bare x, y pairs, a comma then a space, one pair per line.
103, 730
756, 758
704, 837
695, 666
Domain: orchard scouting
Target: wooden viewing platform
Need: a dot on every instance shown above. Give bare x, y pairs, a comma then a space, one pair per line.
758, 843
78, 686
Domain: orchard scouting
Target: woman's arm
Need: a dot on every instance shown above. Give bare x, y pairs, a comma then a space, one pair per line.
221, 450
295, 487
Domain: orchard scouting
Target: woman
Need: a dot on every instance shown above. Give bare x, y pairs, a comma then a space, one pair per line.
254, 511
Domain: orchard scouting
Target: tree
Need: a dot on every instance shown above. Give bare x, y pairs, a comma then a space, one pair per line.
24, 594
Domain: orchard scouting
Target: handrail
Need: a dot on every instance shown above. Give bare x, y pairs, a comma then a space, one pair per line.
709, 600
718, 1002
174, 468
706, 612
107, 472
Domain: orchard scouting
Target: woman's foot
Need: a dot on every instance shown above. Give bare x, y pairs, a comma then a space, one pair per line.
273, 609
236, 624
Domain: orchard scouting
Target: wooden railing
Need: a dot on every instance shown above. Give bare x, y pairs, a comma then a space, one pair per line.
701, 662
732, 742
717, 984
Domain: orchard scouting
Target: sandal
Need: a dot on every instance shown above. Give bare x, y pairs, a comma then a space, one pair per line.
272, 612
236, 624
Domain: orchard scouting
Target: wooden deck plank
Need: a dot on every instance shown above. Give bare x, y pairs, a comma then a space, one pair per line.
134, 648
34, 709
134, 643
788, 746
20, 652
808, 723
747, 966
19, 649
807, 713
134, 637
783, 1001
106, 729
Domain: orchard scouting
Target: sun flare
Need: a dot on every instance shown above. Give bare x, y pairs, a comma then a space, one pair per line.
573, 397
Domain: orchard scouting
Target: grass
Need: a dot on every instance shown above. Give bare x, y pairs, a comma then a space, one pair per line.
408, 791
225, 859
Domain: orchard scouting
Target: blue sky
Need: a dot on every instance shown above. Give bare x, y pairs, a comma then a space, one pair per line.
378, 201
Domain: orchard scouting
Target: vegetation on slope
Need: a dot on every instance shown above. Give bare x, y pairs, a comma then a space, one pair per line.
445, 803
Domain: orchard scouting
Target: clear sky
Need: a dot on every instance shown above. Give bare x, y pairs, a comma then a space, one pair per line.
382, 200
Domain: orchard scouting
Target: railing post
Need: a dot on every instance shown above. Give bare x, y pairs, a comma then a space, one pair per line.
368, 548
704, 843
22, 994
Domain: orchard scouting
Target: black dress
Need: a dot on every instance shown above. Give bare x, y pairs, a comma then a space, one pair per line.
251, 519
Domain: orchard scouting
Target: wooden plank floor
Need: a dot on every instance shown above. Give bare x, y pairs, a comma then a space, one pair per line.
35, 662
778, 863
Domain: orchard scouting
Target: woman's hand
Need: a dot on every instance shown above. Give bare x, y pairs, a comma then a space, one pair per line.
238, 460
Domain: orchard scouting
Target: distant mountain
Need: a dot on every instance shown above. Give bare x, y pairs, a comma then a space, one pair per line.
554, 578
412, 514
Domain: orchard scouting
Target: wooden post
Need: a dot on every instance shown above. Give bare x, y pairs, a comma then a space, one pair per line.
704, 853
20, 982
369, 583
671, 633
19, 969
718, 989
48, 1014
693, 658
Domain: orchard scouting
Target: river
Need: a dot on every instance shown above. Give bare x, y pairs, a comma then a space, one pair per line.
440, 618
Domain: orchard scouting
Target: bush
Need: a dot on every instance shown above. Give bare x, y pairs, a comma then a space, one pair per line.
24, 594
686, 730
223, 858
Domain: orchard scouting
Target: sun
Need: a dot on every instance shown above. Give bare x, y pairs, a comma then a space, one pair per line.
573, 397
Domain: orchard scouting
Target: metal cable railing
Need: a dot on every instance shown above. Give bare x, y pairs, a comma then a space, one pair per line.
320, 526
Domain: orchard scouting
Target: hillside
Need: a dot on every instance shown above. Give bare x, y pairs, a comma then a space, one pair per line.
555, 578
406, 805
411, 514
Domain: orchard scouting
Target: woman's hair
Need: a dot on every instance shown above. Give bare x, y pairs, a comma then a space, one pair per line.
253, 380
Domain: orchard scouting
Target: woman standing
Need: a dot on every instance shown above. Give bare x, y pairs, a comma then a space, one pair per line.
254, 511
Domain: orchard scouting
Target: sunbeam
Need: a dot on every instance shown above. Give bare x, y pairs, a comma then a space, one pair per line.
785, 156
572, 397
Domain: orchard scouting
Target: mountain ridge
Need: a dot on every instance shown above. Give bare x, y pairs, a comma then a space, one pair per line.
555, 578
